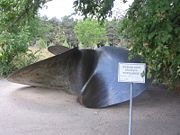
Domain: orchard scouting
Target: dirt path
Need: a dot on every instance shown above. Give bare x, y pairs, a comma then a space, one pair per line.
38, 111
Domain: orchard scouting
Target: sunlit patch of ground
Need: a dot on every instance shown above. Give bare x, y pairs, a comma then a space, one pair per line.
42, 53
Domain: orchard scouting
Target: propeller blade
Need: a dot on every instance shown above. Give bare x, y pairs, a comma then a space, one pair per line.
58, 49
52, 72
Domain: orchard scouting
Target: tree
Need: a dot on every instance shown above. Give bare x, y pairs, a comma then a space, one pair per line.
112, 32
17, 19
89, 32
153, 28
14, 13
62, 31
55, 35
67, 24
99, 8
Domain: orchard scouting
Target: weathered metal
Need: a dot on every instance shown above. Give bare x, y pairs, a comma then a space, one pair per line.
57, 49
91, 74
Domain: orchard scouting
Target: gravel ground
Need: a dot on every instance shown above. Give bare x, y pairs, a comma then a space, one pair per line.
38, 111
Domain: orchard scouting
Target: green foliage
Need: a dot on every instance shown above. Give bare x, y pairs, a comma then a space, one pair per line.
67, 24
41, 43
16, 13
62, 31
153, 28
18, 27
112, 34
14, 44
27, 58
66, 44
38, 26
99, 8
89, 32
55, 34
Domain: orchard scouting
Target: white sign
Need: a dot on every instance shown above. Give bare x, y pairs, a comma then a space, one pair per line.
131, 72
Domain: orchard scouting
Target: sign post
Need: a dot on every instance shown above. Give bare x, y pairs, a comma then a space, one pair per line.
132, 73
130, 109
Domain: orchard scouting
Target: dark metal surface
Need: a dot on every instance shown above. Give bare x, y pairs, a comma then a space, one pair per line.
103, 89
92, 74
53, 72
57, 49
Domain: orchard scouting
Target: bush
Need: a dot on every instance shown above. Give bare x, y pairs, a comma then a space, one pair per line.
14, 45
153, 28
89, 32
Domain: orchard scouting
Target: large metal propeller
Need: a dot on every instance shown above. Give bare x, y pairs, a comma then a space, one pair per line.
90, 74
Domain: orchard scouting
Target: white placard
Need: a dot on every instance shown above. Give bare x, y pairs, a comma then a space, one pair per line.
131, 72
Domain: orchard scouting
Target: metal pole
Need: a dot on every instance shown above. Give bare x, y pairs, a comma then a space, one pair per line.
130, 109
